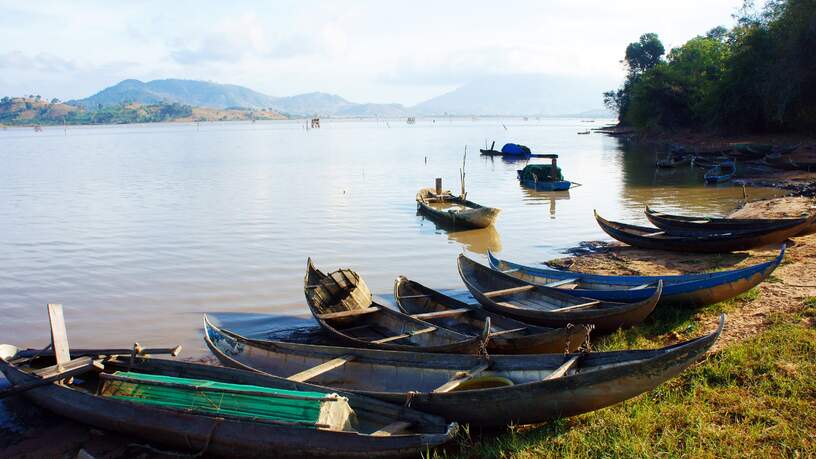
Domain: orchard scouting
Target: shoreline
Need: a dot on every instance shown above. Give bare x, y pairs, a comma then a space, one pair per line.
784, 293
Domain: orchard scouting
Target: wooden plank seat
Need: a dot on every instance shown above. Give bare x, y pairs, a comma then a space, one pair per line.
508, 291
564, 368
640, 287
349, 313
392, 429
507, 332
318, 370
577, 306
561, 282
441, 314
457, 380
404, 335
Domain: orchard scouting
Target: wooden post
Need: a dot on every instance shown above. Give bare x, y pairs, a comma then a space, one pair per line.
438, 185
554, 170
59, 338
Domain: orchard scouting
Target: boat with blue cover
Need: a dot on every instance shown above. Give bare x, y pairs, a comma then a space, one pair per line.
691, 290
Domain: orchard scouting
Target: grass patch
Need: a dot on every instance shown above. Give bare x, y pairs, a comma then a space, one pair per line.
753, 399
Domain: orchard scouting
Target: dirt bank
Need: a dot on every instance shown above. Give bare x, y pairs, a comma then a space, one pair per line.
784, 291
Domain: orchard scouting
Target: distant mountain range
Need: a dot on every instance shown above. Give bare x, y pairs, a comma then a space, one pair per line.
499, 95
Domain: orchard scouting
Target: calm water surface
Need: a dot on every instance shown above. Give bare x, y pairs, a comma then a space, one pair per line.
138, 230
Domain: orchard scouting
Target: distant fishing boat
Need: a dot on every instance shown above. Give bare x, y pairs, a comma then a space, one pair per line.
673, 161
543, 177
722, 172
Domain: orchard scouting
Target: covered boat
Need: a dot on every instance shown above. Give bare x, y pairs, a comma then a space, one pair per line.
454, 211
549, 306
172, 403
703, 242
680, 223
342, 304
507, 335
685, 290
494, 392
543, 177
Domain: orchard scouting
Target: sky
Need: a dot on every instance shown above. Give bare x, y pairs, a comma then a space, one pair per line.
365, 51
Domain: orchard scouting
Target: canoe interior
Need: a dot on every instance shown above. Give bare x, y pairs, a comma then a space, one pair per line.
344, 290
370, 415
399, 372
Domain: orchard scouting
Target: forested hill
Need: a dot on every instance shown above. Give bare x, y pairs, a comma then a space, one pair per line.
760, 76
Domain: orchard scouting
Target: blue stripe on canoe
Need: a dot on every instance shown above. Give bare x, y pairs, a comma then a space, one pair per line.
672, 284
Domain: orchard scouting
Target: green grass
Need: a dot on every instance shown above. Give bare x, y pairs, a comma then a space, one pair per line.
752, 399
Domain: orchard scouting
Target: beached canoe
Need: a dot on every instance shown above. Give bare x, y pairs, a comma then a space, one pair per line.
257, 415
454, 211
683, 224
549, 306
704, 242
504, 389
684, 290
507, 335
721, 173
342, 304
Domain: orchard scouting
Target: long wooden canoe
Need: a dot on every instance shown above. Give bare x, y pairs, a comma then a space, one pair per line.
677, 224
519, 389
381, 429
507, 335
548, 306
707, 242
455, 211
687, 290
342, 304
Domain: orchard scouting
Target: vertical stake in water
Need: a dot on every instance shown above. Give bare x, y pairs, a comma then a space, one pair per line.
462, 174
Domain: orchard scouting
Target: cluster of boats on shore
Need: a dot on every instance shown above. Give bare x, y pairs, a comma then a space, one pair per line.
380, 381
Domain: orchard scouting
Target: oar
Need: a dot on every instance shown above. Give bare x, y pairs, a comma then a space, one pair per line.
172, 351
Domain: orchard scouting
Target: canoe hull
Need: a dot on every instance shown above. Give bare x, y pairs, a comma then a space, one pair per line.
226, 437
474, 216
706, 243
680, 224
525, 403
694, 290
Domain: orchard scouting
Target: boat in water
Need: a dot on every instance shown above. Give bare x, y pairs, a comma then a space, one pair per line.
722, 172
454, 211
543, 177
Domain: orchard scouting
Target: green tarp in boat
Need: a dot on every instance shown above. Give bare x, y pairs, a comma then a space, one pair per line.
543, 172
306, 409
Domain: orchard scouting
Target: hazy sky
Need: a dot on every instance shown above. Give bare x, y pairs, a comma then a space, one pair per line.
366, 51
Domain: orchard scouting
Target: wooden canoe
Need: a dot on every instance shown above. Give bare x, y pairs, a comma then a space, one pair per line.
706, 242
507, 335
454, 211
673, 161
526, 389
721, 173
382, 430
551, 307
342, 304
682, 224
685, 290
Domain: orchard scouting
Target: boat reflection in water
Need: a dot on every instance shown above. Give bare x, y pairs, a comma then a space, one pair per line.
545, 197
478, 240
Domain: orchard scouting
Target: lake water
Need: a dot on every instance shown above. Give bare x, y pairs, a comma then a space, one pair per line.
138, 230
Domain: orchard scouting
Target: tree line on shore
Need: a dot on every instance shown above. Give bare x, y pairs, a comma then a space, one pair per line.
759, 76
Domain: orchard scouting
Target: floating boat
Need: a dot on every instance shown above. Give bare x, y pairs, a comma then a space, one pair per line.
721, 173
708, 162
494, 392
679, 223
454, 211
507, 336
543, 177
685, 290
673, 161
587, 132
703, 242
165, 401
549, 306
342, 304
511, 151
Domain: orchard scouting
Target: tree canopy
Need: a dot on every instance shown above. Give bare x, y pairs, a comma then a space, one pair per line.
758, 76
